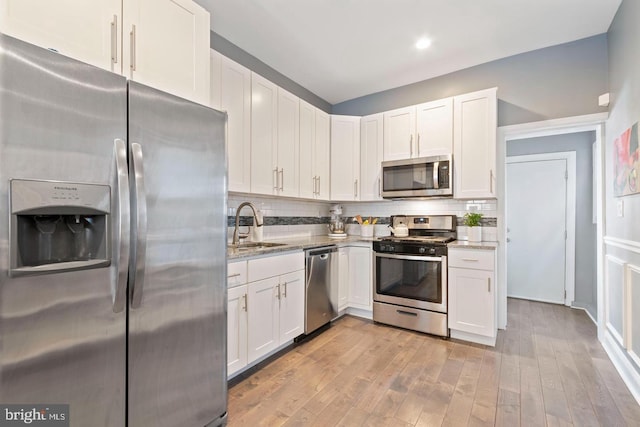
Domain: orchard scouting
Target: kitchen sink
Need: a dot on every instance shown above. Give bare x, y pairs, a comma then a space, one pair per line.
254, 246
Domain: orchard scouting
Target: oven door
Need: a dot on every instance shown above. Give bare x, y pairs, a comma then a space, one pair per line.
411, 281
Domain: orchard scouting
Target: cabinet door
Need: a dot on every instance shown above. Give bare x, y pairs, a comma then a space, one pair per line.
215, 85
434, 128
291, 305
288, 143
345, 157
236, 329
343, 278
370, 156
166, 45
360, 284
474, 144
235, 99
89, 31
471, 301
399, 133
264, 108
322, 154
308, 178
263, 313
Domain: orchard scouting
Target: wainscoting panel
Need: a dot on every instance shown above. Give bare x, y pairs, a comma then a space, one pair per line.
614, 287
633, 312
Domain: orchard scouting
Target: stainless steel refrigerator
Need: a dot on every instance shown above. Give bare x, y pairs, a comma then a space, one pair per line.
112, 246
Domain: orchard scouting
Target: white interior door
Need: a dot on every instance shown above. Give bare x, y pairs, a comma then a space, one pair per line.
536, 227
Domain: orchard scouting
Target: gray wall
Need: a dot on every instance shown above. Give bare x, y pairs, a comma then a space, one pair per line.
558, 81
242, 57
585, 269
624, 84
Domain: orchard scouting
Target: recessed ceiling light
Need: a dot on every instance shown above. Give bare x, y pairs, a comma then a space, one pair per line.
423, 43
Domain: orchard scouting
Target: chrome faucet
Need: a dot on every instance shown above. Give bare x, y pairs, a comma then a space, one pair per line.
258, 222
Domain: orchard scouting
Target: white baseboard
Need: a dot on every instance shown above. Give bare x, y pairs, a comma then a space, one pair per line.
629, 375
360, 312
480, 339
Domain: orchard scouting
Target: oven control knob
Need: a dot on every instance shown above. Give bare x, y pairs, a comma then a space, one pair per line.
422, 250
432, 250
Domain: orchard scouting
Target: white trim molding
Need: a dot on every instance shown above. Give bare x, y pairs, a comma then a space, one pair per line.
632, 271
618, 335
629, 375
629, 245
589, 122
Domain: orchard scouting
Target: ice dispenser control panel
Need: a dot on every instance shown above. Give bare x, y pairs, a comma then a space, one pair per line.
59, 226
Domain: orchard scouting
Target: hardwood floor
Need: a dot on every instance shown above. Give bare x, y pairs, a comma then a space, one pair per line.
547, 368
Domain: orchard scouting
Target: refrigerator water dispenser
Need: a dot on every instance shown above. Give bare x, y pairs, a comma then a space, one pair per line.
58, 226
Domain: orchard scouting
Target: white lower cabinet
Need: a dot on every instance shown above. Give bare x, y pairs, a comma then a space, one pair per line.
472, 295
267, 312
355, 287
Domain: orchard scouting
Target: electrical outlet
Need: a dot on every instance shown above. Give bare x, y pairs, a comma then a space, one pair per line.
620, 208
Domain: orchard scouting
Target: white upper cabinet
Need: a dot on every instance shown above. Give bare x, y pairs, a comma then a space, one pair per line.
345, 158
322, 151
399, 133
89, 31
161, 43
264, 109
314, 152
235, 99
434, 128
371, 128
288, 137
419, 130
474, 144
166, 45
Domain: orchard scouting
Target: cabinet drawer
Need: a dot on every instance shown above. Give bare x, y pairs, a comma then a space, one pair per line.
236, 273
478, 259
263, 268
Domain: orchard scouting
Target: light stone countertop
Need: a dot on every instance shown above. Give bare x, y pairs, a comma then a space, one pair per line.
463, 244
296, 243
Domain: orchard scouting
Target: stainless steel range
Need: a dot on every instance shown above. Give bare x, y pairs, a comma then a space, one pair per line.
410, 274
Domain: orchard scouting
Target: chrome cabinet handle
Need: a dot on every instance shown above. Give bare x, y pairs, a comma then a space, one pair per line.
418, 144
488, 284
318, 193
244, 297
139, 202
314, 186
284, 293
122, 179
275, 180
410, 145
490, 180
278, 295
355, 189
233, 275
282, 179
379, 187
132, 54
470, 259
114, 40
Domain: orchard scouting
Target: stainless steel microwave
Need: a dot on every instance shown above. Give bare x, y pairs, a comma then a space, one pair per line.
419, 177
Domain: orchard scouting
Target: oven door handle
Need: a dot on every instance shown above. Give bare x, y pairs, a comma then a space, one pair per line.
412, 257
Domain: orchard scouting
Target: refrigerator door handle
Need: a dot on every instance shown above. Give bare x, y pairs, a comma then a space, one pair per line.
122, 182
139, 232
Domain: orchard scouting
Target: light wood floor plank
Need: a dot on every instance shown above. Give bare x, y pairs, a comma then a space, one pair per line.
547, 368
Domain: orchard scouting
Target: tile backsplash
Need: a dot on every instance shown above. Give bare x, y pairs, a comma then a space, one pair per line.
285, 218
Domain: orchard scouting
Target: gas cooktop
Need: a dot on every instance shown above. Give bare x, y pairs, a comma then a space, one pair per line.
419, 239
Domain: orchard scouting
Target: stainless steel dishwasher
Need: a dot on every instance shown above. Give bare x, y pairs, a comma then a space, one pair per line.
321, 291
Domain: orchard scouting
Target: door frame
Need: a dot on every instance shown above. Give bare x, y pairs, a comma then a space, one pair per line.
570, 214
590, 122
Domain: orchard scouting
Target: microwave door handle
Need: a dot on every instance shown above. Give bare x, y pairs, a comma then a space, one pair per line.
123, 230
139, 236
436, 175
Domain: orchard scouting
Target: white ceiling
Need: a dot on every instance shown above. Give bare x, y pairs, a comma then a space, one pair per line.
343, 49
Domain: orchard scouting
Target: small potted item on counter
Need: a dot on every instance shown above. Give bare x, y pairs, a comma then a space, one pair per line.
474, 230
